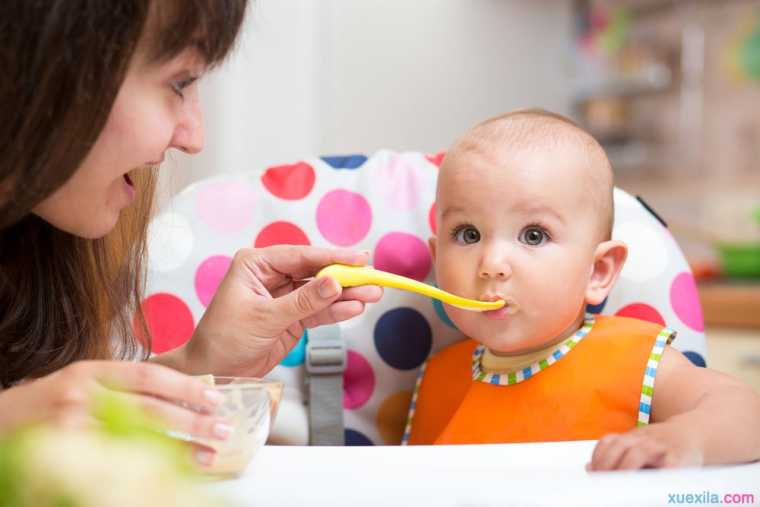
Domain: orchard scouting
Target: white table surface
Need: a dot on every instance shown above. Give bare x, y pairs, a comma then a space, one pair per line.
472, 475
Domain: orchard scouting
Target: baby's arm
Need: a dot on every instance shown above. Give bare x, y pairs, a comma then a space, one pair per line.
699, 417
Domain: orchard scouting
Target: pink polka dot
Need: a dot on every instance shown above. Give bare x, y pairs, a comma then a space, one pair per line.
358, 381
226, 206
209, 275
436, 159
684, 299
290, 182
344, 217
400, 182
281, 233
169, 320
403, 254
641, 311
431, 218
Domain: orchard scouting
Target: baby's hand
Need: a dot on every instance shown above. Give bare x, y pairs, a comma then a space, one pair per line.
653, 446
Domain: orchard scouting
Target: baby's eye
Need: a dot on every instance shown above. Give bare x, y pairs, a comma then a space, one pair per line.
533, 236
466, 235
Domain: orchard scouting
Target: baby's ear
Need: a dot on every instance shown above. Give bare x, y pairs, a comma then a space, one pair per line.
609, 258
432, 243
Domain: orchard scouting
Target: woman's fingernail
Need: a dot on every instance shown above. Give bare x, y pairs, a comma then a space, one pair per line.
203, 457
222, 430
328, 288
213, 396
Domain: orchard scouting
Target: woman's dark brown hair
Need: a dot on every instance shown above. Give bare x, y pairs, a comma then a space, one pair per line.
62, 62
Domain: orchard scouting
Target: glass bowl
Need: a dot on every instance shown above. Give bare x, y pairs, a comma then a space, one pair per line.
249, 406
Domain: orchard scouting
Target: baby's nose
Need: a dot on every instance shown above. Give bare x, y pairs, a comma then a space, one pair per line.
494, 273
498, 269
494, 263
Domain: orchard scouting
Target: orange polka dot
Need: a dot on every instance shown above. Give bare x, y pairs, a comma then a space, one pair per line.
391, 417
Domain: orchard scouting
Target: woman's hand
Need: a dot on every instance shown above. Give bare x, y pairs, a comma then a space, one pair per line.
261, 309
65, 399
659, 445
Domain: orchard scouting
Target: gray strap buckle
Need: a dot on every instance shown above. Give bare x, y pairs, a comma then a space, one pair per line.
325, 351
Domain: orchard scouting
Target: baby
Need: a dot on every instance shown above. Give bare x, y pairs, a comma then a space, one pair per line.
525, 214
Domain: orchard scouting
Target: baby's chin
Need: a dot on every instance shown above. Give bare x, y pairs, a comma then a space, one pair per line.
499, 336
509, 345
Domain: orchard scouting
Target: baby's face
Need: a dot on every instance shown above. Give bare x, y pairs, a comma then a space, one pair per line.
516, 227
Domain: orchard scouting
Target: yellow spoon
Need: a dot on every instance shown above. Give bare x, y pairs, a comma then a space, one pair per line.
351, 276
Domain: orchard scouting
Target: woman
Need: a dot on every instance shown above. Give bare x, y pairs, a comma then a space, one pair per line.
92, 96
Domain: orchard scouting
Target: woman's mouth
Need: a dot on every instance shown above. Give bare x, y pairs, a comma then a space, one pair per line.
129, 187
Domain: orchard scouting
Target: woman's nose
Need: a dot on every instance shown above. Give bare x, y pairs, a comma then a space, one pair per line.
494, 265
188, 132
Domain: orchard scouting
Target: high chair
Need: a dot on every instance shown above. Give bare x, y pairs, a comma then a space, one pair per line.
359, 375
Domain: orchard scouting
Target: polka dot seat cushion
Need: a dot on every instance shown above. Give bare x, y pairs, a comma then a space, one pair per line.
384, 204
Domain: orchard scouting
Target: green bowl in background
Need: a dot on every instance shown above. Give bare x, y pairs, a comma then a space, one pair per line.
740, 260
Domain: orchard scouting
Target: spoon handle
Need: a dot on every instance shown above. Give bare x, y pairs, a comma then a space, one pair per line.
351, 276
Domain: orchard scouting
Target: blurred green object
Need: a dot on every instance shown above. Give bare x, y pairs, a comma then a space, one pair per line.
740, 260
128, 462
613, 38
749, 56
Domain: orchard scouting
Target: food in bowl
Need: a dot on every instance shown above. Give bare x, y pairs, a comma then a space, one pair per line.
249, 406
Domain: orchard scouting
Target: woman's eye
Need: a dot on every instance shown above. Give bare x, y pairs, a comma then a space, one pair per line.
467, 235
179, 86
533, 236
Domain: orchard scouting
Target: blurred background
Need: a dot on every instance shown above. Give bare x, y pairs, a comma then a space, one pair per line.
671, 88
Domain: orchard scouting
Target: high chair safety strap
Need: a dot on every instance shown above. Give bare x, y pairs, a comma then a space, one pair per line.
325, 363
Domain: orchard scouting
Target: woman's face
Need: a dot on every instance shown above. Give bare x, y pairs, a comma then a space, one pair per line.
157, 108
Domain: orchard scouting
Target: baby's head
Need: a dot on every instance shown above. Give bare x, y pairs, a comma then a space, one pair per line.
524, 212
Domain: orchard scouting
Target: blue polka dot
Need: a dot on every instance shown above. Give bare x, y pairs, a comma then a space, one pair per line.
297, 354
596, 308
695, 358
441, 312
345, 161
403, 338
353, 437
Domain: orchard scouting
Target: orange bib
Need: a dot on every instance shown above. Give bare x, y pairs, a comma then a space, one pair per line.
594, 389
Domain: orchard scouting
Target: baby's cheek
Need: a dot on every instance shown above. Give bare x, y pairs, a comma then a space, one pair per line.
465, 321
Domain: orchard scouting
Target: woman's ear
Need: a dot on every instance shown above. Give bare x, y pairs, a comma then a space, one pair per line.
609, 258
432, 243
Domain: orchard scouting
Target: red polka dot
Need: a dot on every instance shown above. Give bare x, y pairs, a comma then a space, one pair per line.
169, 320
358, 381
641, 311
436, 159
281, 233
431, 219
289, 181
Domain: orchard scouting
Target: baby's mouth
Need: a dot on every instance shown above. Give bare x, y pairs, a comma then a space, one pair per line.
510, 305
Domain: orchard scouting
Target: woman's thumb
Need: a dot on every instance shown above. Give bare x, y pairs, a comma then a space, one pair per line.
312, 297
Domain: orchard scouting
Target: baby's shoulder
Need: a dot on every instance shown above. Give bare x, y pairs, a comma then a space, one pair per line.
617, 324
